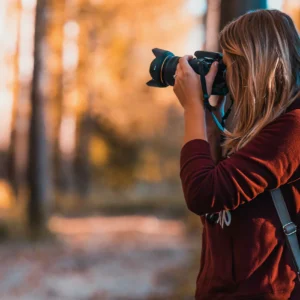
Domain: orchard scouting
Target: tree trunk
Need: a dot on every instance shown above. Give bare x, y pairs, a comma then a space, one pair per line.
13, 170
84, 74
38, 160
8, 79
55, 38
231, 9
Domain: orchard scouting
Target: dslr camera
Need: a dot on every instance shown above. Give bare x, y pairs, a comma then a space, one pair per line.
163, 67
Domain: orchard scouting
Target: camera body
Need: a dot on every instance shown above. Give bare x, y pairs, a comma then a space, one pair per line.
163, 68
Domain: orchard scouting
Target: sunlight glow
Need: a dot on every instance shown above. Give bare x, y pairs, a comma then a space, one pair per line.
70, 55
71, 29
6, 195
29, 4
6, 105
67, 135
196, 7
3, 13
70, 48
26, 39
275, 4
108, 225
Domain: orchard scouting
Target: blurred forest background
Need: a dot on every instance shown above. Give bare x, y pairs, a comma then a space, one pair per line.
89, 155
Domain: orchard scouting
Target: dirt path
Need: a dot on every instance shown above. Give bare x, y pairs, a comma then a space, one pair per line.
96, 258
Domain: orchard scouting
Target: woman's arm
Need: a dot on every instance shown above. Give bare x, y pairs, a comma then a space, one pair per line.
199, 124
268, 161
194, 123
188, 90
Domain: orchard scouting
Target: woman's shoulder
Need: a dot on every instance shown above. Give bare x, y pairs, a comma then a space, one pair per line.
289, 120
281, 134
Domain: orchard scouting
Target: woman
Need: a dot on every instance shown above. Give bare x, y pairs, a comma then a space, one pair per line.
244, 251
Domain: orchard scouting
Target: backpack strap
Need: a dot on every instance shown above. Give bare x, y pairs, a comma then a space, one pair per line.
289, 228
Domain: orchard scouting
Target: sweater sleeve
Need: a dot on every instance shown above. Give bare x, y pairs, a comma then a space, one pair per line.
268, 161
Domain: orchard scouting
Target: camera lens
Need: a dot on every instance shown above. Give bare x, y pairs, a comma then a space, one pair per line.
169, 69
163, 68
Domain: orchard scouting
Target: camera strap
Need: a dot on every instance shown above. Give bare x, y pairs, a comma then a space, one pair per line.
207, 105
204, 89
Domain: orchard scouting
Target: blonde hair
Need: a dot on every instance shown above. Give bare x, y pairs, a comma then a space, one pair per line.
262, 49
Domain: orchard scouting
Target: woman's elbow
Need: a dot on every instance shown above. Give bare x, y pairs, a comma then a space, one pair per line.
194, 207
199, 204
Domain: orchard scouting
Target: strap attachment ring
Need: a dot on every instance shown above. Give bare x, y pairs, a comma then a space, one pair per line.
289, 228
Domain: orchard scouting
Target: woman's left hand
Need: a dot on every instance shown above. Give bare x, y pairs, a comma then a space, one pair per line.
187, 85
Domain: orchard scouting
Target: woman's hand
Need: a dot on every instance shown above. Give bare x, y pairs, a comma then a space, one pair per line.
187, 85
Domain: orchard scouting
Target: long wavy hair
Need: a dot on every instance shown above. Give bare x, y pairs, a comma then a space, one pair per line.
262, 51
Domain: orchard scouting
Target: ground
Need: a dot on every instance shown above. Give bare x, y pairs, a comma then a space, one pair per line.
130, 257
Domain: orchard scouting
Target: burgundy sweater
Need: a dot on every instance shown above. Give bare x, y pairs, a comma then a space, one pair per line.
244, 253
